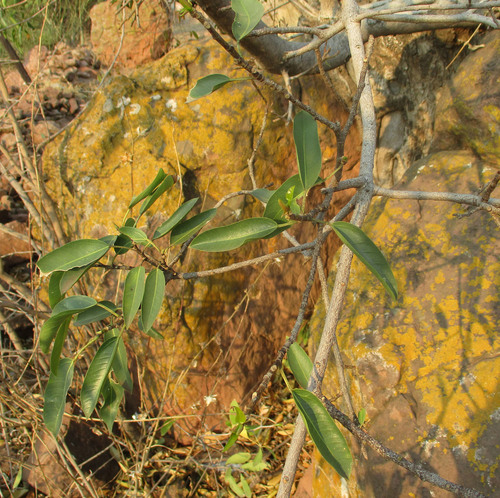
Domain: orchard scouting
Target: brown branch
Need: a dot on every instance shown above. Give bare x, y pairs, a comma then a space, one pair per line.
258, 75
295, 330
15, 57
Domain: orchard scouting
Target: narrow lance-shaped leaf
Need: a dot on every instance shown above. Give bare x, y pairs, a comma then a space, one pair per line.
152, 332
97, 374
73, 304
233, 236
153, 298
55, 395
136, 234
73, 255
305, 135
363, 247
55, 294
62, 310
49, 331
239, 458
324, 432
71, 277
300, 364
96, 313
120, 364
133, 293
209, 84
160, 176
183, 231
161, 189
175, 219
248, 13
62, 333
113, 395
123, 243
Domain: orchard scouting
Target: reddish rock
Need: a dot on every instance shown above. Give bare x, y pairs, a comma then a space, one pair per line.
10, 245
8, 140
73, 106
145, 40
42, 131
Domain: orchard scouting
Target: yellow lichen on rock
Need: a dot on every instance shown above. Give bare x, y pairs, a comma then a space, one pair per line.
435, 351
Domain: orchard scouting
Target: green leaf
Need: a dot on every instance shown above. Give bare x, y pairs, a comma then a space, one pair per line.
96, 313
233, 484
152, 332
97, 374
262, 194
49, 331
123, 243
361, 416
153, 298
71, 277
73, 304
183, 231
133, 293
256, 465
109, 239
166, 426
233, 438
324, 432
245, 487
209, 84
113, 395
233, 236
120, 364
55, 395
273, 208
248, 13
162, 188
300, 364
175, 219
239, 458
73, 255
160, 176
54, 288
136, 234
62, 310
362, 246
305, 135
236, 414
62, 332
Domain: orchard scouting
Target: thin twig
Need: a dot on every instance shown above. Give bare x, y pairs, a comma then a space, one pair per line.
250, 262
491, 205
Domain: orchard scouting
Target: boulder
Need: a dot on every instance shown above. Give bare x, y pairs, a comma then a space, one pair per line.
469, 107
146, 33
426, 367
139, 123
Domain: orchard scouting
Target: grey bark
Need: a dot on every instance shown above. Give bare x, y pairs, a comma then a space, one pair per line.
270, 49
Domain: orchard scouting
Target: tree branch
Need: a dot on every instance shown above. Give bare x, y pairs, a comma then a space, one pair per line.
277, 54
388, 454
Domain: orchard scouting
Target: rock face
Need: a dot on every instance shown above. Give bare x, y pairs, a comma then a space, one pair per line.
145, 37
426, 368
220, 333
64, 78
423, 365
